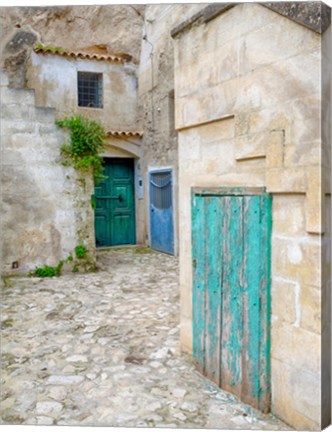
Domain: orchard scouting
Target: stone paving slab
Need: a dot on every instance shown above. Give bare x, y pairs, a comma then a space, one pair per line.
102, 349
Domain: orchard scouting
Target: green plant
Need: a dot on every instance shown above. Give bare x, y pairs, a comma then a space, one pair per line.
80, 251
84, 151
49, 48
93, 202
48, 271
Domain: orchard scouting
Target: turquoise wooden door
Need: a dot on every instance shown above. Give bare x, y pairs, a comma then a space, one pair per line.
231, 291
115, 204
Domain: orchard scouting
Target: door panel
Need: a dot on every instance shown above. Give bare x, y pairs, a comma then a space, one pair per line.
161, 211
115, 207
231, 299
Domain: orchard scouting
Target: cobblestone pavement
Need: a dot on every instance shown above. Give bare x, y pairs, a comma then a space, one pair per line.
102, 349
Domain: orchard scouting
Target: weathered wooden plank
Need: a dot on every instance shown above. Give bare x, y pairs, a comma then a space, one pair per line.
231, 374
251, 295
225, 369
265, 303
228, 191
214, 212
199, 263
231, 293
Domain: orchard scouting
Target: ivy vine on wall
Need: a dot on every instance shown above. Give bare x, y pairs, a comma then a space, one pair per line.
84, 151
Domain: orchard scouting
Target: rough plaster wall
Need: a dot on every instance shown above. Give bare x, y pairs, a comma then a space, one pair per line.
45, 213
54, 79
156, 96
118, 27
112, 29
263, 85
63, 219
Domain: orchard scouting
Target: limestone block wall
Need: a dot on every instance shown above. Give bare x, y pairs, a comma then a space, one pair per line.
54, 79
156, 97
45, 211
249, 113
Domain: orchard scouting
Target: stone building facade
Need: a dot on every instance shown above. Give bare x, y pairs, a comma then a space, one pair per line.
252, 99
51, 74
156, 99
44, 212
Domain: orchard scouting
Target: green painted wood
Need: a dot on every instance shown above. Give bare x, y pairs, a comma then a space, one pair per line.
213, 276
251, 294
226, 374
265, 303
199, 259
231, 292
232, 310
115, 204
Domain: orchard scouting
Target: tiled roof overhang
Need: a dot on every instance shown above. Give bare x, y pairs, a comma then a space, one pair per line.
124, 134
81, 55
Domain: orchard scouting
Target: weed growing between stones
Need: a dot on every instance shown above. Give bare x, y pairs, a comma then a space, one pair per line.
56, 271
7, 323
80, 251
48, 271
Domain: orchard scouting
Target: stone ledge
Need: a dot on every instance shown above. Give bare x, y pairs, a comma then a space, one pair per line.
314, 15
216, 9
185, 25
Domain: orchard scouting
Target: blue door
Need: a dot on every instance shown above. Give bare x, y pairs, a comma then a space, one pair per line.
161, 211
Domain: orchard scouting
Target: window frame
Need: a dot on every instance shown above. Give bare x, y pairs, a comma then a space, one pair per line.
93, 88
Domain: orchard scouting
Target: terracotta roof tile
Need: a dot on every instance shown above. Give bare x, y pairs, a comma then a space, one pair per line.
81, 55
124, 134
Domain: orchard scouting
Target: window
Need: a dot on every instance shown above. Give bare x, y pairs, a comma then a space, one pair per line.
90, 89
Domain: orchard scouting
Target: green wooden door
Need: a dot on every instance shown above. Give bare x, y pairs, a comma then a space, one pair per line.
115, 204
231, 292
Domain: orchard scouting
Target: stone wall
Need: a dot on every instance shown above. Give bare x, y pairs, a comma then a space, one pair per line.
248, 112
54, 79
45, 211
326, 302
114, 29
156, 97
108, 28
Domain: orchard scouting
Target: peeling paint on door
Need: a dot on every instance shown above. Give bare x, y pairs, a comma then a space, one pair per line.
231, 291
